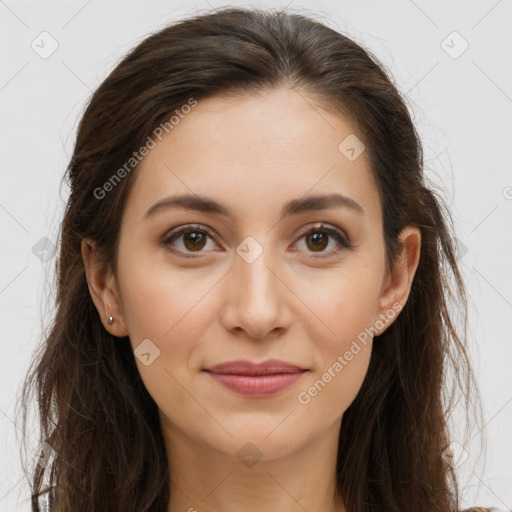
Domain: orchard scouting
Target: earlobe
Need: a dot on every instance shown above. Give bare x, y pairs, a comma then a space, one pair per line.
398, 281
103, 290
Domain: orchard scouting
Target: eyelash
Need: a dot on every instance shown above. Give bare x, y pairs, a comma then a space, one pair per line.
322, 228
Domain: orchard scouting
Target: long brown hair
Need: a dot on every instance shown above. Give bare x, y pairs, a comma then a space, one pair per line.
95, 413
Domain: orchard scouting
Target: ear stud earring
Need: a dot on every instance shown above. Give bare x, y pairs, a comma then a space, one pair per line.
110, 320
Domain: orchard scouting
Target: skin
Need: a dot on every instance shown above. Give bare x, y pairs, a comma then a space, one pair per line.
299, 301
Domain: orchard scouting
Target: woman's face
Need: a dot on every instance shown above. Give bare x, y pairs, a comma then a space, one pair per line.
245, 281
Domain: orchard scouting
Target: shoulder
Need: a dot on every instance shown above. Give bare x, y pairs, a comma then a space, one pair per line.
484, 509
45, 500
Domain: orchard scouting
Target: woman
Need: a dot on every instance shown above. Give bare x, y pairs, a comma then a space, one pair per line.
256, 287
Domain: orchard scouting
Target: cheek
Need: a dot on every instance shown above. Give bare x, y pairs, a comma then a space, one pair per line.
329, 392
345, 305
160, 302
343, 349
171, 311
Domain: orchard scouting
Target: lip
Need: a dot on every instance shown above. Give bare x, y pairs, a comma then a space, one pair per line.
256, 379
244, 367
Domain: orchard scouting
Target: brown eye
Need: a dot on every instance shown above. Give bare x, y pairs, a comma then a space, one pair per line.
319, 237
188, 239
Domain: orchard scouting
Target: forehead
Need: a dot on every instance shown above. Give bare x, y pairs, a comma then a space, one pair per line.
255, 151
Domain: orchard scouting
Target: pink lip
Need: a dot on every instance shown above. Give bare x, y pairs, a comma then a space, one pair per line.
256, 380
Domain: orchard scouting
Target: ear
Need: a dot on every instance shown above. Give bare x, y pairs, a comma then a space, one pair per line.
398, 281
103, 290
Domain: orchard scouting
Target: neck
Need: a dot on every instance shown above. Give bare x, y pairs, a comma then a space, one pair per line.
204, 479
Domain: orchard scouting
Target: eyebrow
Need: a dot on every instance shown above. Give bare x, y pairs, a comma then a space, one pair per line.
294, 207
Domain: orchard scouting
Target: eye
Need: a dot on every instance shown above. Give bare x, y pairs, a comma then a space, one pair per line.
317, 238
194, 239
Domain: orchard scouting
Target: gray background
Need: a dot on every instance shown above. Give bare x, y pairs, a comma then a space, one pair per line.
462, 106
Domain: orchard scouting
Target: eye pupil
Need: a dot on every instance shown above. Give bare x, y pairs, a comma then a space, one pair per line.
196, 238
318, 237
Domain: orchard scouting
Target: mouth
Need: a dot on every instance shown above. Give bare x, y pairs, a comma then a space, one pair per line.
256, 379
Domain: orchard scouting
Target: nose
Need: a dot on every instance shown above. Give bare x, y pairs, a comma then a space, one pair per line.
255, 299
